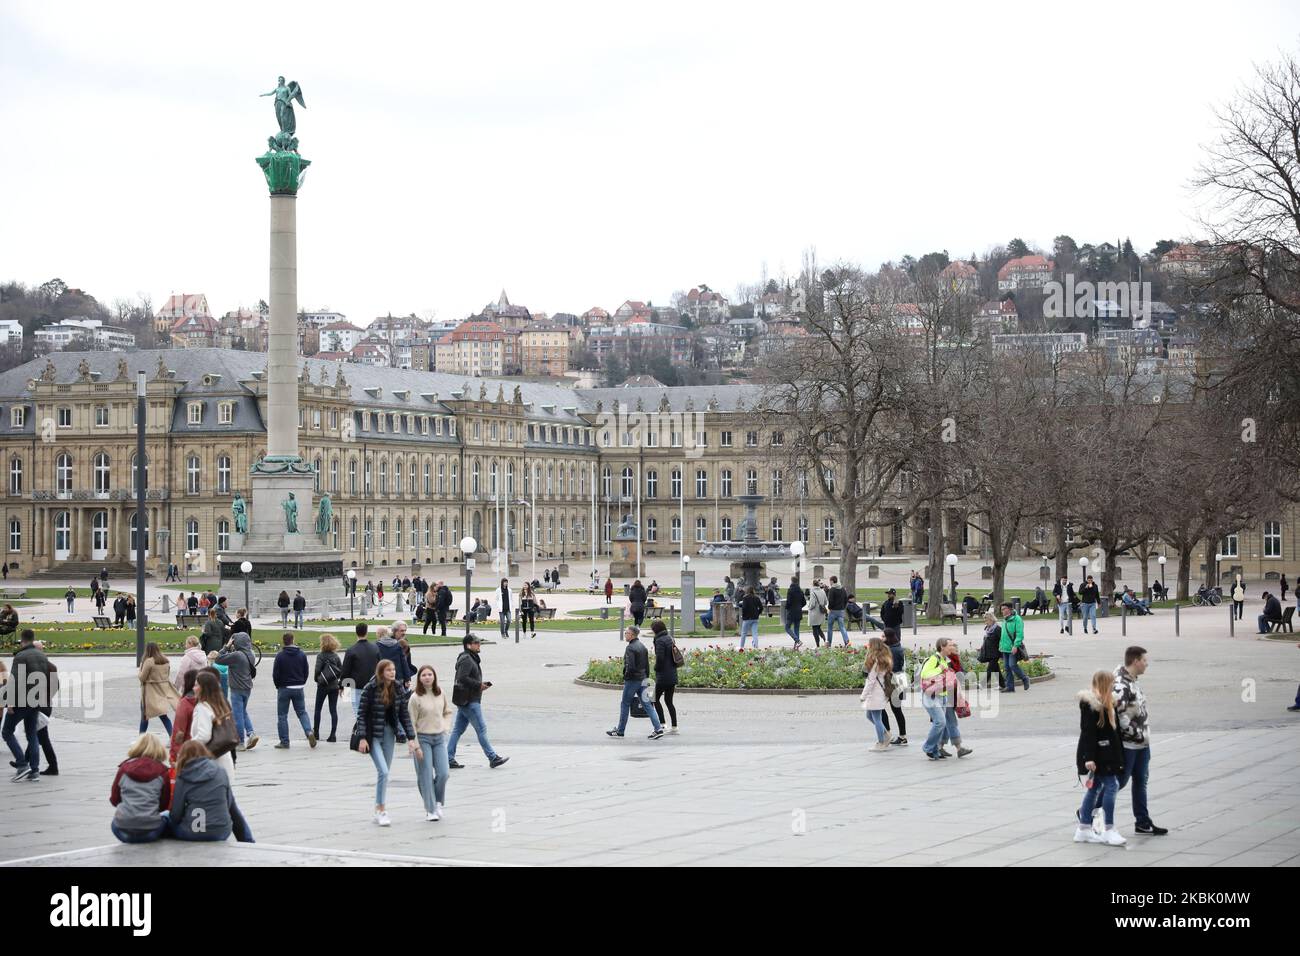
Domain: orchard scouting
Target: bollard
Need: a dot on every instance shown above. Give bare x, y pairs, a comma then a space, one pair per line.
518, 618
963, 621
1232, 621
1123, 621
1176, 632
672, 621
622, 627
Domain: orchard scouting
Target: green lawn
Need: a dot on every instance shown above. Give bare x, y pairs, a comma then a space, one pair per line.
85, 639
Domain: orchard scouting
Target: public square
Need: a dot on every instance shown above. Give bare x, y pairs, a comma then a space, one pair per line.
756, 779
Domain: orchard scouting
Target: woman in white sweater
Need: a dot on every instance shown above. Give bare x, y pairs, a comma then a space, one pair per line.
431, 715
875, 697
211, 709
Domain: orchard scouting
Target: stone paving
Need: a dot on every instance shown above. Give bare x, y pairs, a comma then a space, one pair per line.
750, 780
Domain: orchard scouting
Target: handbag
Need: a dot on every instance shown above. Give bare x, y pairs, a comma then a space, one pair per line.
225, 737
679, 659
638, 706
1021, 654
354, 742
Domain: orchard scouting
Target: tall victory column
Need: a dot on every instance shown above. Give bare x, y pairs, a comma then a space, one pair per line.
283, 557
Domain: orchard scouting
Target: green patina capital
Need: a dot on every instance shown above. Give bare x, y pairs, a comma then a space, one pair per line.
284, 171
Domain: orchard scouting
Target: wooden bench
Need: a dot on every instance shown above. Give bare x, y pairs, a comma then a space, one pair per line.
191, 620
654, 613
949, 610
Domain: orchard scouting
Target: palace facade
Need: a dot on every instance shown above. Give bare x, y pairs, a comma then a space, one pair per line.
412, 461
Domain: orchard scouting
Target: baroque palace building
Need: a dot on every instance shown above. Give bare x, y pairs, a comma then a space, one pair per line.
412, 462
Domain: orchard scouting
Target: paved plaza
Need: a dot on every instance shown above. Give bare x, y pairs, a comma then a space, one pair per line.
750, 780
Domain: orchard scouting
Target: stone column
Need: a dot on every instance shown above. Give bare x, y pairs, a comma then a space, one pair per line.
282, 339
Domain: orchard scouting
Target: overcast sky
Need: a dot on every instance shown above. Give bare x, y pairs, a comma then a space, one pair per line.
580, 155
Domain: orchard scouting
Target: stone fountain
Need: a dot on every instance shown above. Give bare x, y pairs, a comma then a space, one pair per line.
747, 556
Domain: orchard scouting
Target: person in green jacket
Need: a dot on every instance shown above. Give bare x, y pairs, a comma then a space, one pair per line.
1013, 636
940, 695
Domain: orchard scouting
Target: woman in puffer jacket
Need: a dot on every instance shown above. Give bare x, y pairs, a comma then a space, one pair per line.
141, 791
192, 660
385, 721
1100, 758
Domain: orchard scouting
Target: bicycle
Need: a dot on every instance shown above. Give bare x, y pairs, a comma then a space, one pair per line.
1205, 597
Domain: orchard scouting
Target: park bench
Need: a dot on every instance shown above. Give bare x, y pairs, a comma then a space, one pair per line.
191, 620
654, 613
1284, 624
949, 611
12, 594
545, 613
102, 623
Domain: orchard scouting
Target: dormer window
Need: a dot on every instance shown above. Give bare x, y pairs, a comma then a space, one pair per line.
18, 416
365, 421
451, 427
225, 413
194, 413
381, 421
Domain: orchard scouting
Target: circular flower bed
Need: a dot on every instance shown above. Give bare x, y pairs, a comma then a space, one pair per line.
780, 668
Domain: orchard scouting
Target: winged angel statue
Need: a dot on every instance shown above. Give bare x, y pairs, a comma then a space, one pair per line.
285, 94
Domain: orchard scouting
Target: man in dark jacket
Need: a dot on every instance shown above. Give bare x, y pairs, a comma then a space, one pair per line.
223, 613
794, 605
891, 612
28, 690
467, 695
636, 684
359, 664
837, 600
503, 607
1089, 594
289, 675
119, 611
751, 608
1272, 613
443, 605
299, 607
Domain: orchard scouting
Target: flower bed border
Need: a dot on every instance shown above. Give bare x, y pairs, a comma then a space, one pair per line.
772, 691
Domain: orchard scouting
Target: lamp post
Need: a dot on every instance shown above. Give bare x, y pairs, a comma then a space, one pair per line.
1161, 561
797, 549
952, 575
352, 594
1083, 571
141, 518
1218, 559
246, 569
467, 547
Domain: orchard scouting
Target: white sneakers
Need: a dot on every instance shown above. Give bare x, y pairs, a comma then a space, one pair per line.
1111, 838
381, 817
1086, 835
672, 732
881, 748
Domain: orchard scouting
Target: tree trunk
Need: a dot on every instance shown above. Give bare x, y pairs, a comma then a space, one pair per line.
934, 566
1062, 550
1108, 576
1184, 572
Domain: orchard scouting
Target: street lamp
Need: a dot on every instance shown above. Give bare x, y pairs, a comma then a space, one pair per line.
468, 546
952, 574
352, 593
1218, 559
246, 568
1083, 570
1161, 561
797, 549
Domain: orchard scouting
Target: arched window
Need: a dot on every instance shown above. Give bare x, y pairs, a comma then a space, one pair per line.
493, 487
776, 528
352, 479
675, 484
724, 527
336, 534
428, 487
442, 532
651, 483
316, 468
510, 481
367, 477
334, 476
223, 534
550, 480
383, 476
192, 534
352, 534
63, 535
651, 529
625, 486
383, 533
397, 476
415, 490
192, 475
701, 528
677, 529
415, 533
223, 474
15, 476
101, 467
455, 478
606, 482
63, 475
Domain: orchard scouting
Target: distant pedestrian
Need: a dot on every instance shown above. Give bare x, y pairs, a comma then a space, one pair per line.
528, 609
877, 689
891, 612
794, 605
1131, 708
1099, 758
609, 590
636, 684
816, 598
1282, 585
751, 609
444, 599
240, 662
158, 698
1064, 610
503, 607
990, 650
1239, 597
289, 675
1011, 647
70, 595
467, 695
284, 603
665, 672
431, 716
328, 674
299, 606
837, 602
384, 720
192, 660
636, 598
1089, 594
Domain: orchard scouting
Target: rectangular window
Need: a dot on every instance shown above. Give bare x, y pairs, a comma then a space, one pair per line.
751, 439
725, 440
451, 428
101, 416
195, 413
18, 416
1272, 539
225, 413
315, 418
65, 418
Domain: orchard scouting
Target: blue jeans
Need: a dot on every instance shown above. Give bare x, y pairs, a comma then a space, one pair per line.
1065, 615
833, 618
1011, 670
284, 696
943, 723
1265, 623
140, 836
27, 716
792, 627
381, 754
633, 689
243, 723
876, 717
297, 620
471, 713
505, 623
1088, 612
1104, 789
749, 629
432, 769
167, 724
1137, 765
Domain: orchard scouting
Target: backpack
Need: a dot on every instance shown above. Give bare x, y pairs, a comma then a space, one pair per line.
329, 674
